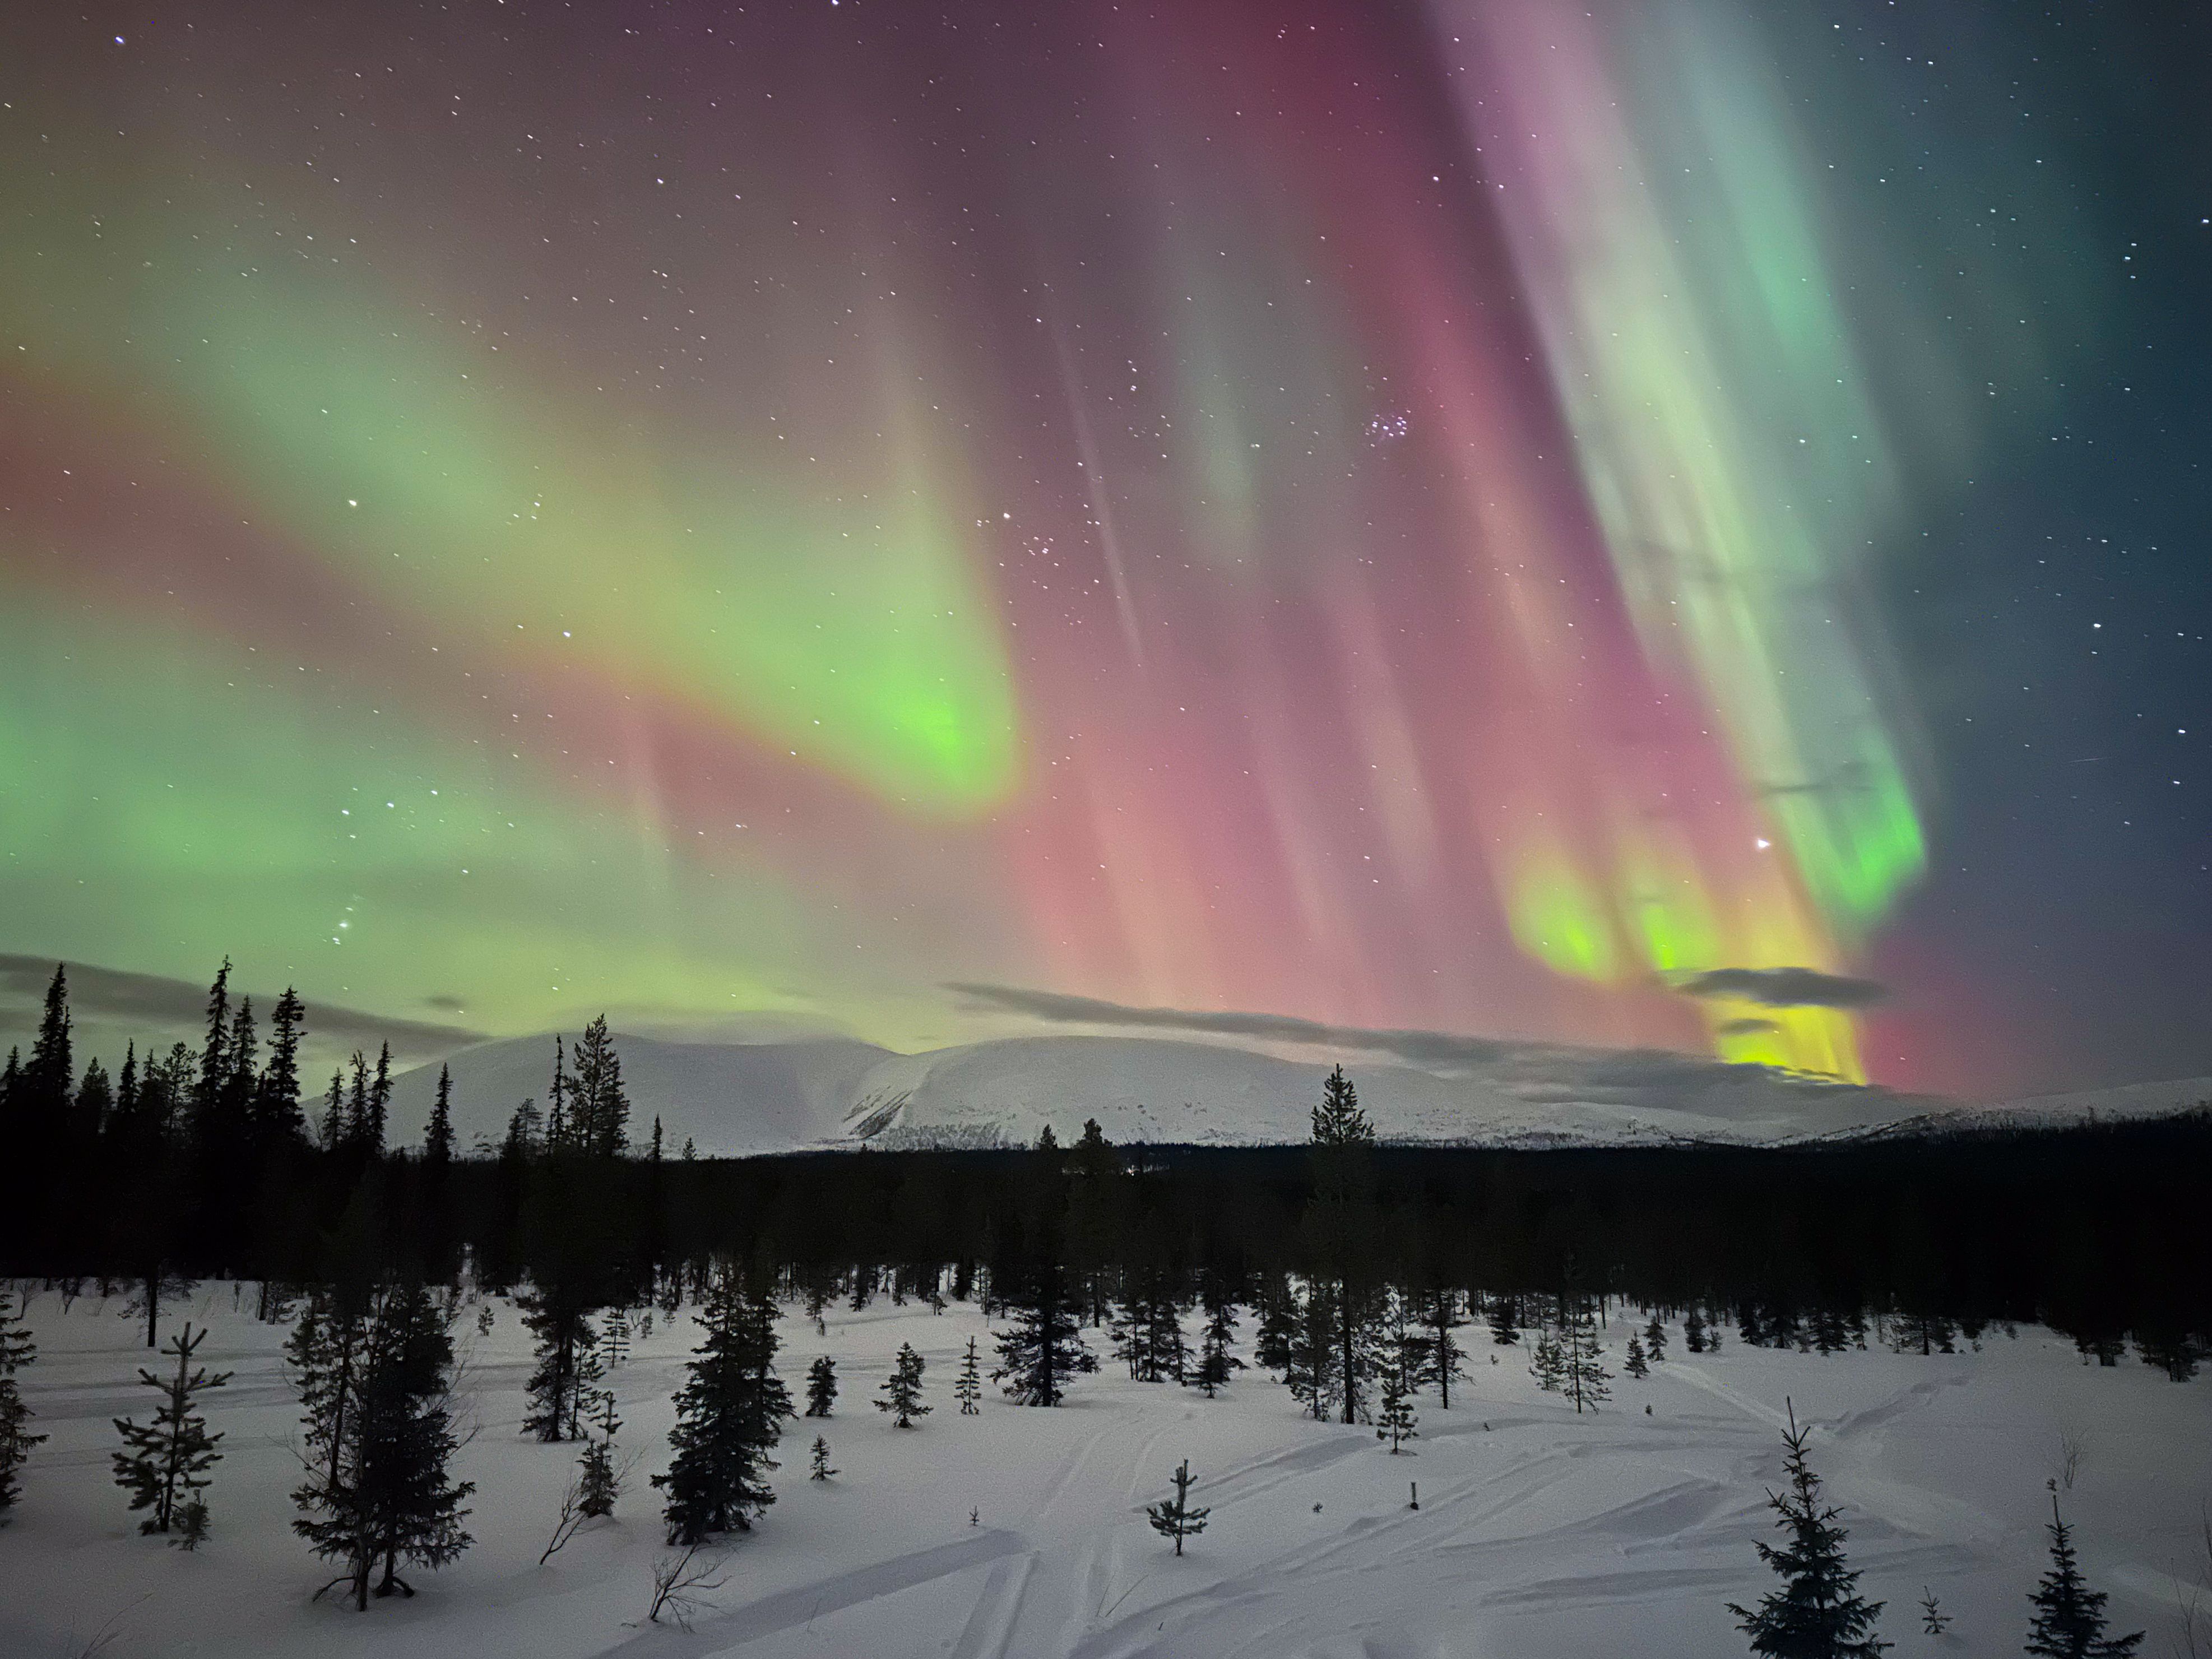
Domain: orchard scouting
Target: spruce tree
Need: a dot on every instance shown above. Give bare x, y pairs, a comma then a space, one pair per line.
599, 1481
1634, 1365
902, 1390
729, 1416
1818, 1613
1693, 1331
374, 1374
818, 1461
1549, 1365
166, 1460
1177, 1517
16, 1350
1395, 1421
1583, 1376
1215, 1360
438, 1138
1310, 1370
1934, 1621
1043, 1346
821, 1386
1655, 1341
2070, 1616
560, 1383
1502, 1312
276, 1119
1440, 1313
968, 1388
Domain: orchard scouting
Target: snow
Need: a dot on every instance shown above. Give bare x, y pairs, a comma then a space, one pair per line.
1540, 1533
751, 1097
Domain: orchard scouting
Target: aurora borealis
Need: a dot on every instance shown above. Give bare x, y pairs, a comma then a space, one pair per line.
1467, 516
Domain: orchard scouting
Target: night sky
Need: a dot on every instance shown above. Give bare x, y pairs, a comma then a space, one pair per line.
1521, 517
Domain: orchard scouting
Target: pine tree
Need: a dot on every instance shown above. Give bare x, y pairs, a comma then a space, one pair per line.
276, 1119
1215, 1360
560, 1384
193, 1524
1502, 1310
1338, 1120
599, 1481
167, 1460
379, 1109
1934, 1621
438, 1139
1818, 1613
16, 1350
1176, 1517
1634, 1365
902, 1388
1395, 1421
596, 1119
729, 1416
968, 1388
1693, 1331
1440, 1313
374, 1375
1147, 1328
1655, 1341
1583, 1376
818, 1461
1043, 1346
1548, 1365
821, 1386
2070, 1616
1310, 1372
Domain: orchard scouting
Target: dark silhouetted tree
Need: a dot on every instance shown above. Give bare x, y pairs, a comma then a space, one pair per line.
2070, 1616
1818, 1613
166, 1460
1177, 1517
729, 1417
902, 1390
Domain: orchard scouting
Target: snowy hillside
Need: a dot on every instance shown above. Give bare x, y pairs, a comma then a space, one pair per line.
742, 1099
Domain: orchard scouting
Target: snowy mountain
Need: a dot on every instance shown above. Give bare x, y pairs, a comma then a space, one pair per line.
772, 1097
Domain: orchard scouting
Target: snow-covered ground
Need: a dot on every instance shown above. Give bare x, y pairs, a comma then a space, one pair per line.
1539, 1532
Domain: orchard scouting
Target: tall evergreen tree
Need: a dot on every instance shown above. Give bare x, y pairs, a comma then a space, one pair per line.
1583, 1376
902, 1390
1310, 1371
598, 1110
1440, 1313
1339, 1121
166, 1460
599, 1478
729, 1417
1654, 1339
16, 1350
2070, 1616
560, 1384
438, 1138
1818, 1613
278, 1123
1503, 1315
821, 1386
39, 1101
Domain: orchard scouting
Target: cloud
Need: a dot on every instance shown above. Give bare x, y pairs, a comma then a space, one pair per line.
1531, 1070
113, 997
1747, 1027
1784, 987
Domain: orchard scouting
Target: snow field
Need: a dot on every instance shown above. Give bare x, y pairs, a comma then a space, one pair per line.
1539, 1534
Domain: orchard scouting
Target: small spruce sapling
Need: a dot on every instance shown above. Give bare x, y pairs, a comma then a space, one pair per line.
1634, 1364
821, 1386
2070, 1616
1396, 1421
968, 1388
167, 1460
1177, 1517
902, 1388
1934, 1621
817, 1464
1655, 1341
